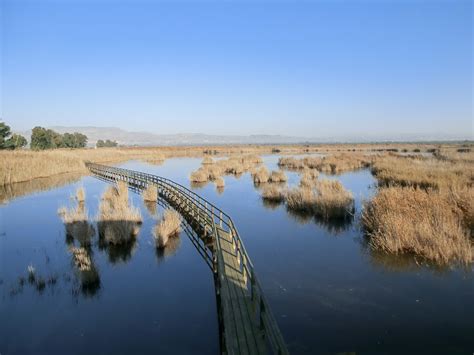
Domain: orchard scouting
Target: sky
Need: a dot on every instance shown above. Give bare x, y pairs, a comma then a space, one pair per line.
300, 68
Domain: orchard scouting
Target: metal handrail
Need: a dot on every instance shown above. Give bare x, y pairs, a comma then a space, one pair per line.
265, 317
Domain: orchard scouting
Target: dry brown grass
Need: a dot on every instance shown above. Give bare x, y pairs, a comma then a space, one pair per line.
80, 194
332, 163
76, 221
425, 223
308, 177
150, 194
168, 226
24, 165
278, 176
328, 199
422, 172
199, 176
262, 175
273, 193
118, 222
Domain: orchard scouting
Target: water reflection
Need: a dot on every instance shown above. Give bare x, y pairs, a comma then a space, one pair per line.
271, 204
333, 225
198, 185
117, 253
12, 191
86, 270
169, 250
152, 207
406, 262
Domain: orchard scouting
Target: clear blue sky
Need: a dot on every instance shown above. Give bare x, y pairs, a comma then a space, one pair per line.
310, 68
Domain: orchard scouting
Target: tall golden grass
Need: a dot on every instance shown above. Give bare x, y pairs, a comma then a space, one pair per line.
118, 221
327, 199
76, 221
278, 176
150, 194
423, 172
168, 226
412, 220
273, 193
261, 175
24, 165
332, 164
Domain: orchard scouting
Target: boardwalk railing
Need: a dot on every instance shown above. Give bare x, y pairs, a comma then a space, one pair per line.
218, 226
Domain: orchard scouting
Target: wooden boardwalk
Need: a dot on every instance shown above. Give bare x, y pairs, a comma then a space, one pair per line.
246, 323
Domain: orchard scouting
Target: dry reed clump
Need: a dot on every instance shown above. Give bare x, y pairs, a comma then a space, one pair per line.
411, 220
333, 164
207, 161
118, 222
80, 195
261, 175
309, 177
278, 176
199, 176
328, 199
76, 221
170, 225
150, 194
273, 193
235, 165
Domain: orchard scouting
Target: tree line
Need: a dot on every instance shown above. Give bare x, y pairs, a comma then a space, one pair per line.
43, 138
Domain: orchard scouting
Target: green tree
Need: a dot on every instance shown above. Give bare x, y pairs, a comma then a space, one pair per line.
80, 140
4, 134
41, 139
68, 140
108, 143
16, 141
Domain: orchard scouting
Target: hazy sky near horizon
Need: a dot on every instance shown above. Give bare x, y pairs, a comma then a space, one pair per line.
306, 68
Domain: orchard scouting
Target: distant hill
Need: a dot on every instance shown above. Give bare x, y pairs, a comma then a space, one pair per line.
127, 138
148, 139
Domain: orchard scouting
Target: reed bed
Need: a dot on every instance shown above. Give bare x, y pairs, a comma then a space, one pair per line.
76, 221
118, 222
328, 199
261, 176
234, 165
80, 195
332, 164
278, 176
150, 194
423, 172
411, 220
25, 165
168, 226
308, 177
273, 193
199, 176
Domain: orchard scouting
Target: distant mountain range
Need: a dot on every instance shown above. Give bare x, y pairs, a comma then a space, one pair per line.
151, 139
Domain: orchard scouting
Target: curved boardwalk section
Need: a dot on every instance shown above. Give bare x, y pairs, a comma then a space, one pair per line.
246, 323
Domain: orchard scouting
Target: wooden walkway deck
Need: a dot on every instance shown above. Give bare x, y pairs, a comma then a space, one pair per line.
246, 323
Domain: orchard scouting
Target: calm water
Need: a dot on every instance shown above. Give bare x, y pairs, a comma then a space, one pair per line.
328, 292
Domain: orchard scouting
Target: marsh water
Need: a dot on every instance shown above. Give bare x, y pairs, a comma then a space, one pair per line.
328, 291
